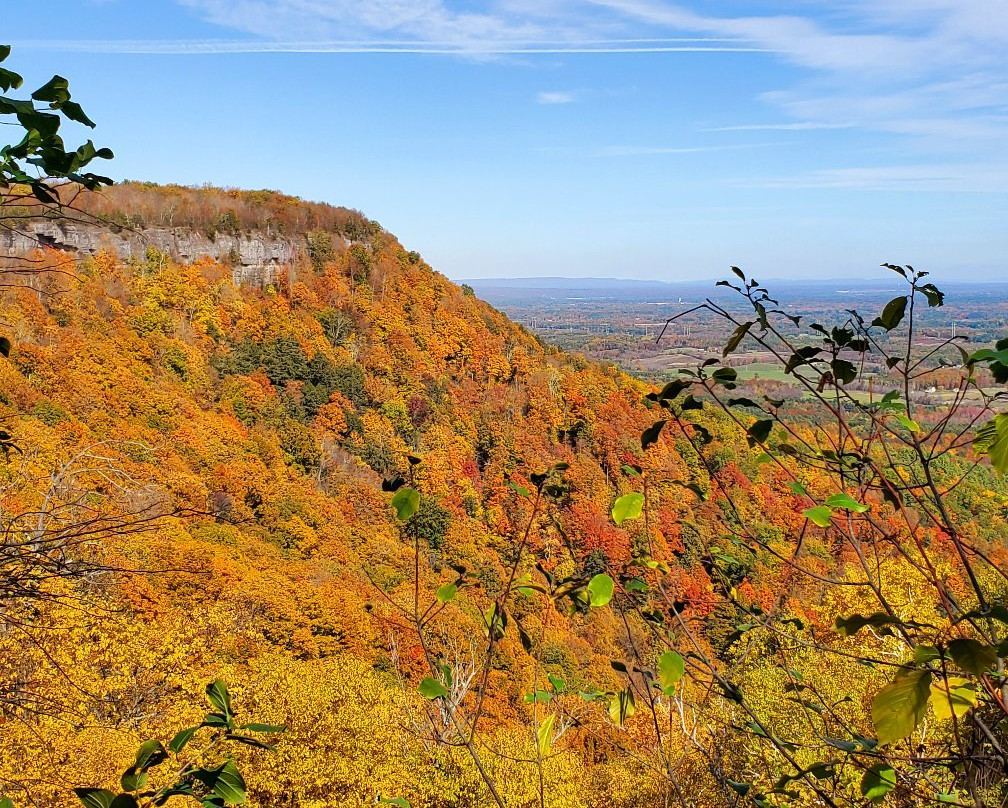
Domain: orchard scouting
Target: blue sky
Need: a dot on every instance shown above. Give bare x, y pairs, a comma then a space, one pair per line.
621, 138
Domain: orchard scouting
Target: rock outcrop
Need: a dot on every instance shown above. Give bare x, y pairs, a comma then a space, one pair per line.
256, 258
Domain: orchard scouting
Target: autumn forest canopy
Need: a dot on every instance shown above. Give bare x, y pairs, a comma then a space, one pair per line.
290, 519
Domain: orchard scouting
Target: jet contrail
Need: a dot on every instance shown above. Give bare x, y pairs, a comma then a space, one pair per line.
468, 48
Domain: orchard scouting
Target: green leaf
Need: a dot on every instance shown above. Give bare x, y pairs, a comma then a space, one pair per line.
958, 700
843, 371
671, 668
899, 706
556, 683
431, 688
224, 781
739, 788
216, 720
736, 338
725, 376
878, 781
673, 389
5, 802
972, 656
820, 515
447, 593
95, 797
934, 295
133, 780
400, 802
182, 737
219, 697
909, 424
273, 728
406, 503
992, 440
492, 619
150, 754
650, 435
55, 91
250, 741
759, 432
847, 503
893, 313
635, 585
797, 488
521, 490
628, 506
544, 735
925, 653
600, 590
125, 801
621, 706
537, 697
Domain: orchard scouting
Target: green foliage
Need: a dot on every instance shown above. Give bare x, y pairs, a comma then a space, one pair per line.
283, 360
361, 262
893, 313
600, 590
208, 783
628, 506
878, 781
430, 523
49, 413
299, 446
899, 707
406, 503
820, 515
671, 668
847, 503
972, 656
320, 248
992, 440
40, 157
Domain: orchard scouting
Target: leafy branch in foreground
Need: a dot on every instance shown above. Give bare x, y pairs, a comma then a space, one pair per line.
207, 775
875, 473
41, 158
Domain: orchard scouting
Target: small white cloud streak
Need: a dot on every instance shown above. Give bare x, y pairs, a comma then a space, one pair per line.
799, 126
643, 151
549, 98
946, 178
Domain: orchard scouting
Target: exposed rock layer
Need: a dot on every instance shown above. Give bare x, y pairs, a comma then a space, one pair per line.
255, 257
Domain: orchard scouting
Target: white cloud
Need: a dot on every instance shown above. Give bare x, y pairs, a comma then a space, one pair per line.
638, 151
927, 178
929, 74
556, 97
797, 126
391, 46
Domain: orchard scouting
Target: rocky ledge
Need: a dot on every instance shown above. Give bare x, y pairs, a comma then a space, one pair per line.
255, 257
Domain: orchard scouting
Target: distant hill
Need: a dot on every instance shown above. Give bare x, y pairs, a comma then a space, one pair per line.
537, 290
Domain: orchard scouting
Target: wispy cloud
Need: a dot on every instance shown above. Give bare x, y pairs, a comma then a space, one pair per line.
556, 97
930, 75
926, 178
642, 151
457, 48
798, 126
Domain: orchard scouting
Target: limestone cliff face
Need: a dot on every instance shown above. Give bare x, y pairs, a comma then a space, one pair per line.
256, 257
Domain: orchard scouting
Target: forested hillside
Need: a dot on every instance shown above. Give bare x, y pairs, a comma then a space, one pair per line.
226, 466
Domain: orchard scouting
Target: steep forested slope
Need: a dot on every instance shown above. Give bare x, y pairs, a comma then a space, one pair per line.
264, 420
229, 447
